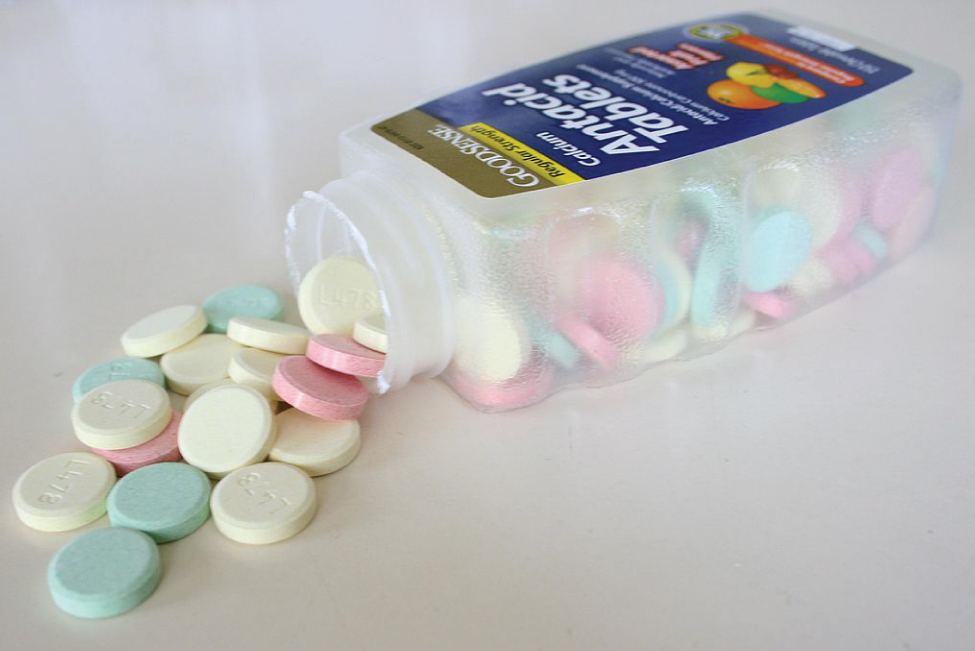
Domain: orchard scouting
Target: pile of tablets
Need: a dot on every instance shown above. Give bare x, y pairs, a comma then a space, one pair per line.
268, 406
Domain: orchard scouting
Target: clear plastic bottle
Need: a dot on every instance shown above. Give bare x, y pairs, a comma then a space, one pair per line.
593, 279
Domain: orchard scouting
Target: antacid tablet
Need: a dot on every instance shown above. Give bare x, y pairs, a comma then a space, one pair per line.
121, 414
265, 334
105, 572
315, 445
263, 503
63, 492
163, 331
226, 428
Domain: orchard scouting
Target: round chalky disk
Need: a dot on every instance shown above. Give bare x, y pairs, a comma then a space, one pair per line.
345, 355
190, 399
812, 279
532, 384
255, 368
319, 391
775, 250
121, 414
264, 503
163, 331
167, 501
674, 280
741, 322
861, 256
228, 427
596, 346
555, 346
123, 368
715, 293
199, 362
769, 187
492, 344
915, 225
772, 304
63, 492
837, 259
619, 299
370, 331
162, 447
104, 572
265, 334
667, 346
241, 301
315, 445
335, 293
873, 240
894, 187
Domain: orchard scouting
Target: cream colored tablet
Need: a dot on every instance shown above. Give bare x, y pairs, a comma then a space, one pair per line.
822, 201
121, 414
255, 368
63, 492
263, 503
370, 331
190, 399
667, 346
201, 361
675, 286
268, 335
226, 428
742, 322
773, 187
336, 292
743, 319
193, 397
812, 279
163, 331
491, 345
315, 445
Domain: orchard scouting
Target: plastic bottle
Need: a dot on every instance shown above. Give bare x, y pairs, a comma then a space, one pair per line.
748, 169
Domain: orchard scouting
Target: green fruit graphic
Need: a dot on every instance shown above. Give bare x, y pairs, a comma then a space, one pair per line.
779, 93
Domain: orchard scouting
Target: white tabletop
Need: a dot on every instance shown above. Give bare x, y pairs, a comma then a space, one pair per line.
807, 488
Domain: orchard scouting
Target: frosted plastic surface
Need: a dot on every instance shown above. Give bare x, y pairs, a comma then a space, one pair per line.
609, 277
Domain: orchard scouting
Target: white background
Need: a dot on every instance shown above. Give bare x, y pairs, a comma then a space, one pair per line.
806, 488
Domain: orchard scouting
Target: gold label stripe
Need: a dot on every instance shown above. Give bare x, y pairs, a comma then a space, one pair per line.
518, 151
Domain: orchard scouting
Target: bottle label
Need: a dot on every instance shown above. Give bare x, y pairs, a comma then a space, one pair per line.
636, 102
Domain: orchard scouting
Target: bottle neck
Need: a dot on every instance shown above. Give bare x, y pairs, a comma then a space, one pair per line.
372, 216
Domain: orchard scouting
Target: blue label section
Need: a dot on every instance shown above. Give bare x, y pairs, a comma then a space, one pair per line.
667, 94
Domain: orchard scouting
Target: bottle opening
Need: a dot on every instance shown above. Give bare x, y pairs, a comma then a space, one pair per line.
360, 219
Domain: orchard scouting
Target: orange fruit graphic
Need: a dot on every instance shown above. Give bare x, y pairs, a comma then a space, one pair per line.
731, 93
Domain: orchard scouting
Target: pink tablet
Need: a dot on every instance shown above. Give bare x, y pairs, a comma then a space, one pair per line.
345, 355
895, 186
837, 258
590, 341
529, 386
158, 449
775, 304
619, 299
318, 391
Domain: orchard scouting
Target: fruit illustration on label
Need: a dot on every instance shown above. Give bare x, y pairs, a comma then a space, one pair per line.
751, 74
781, 72
779, 93
737, 95
802, 87
757, 86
